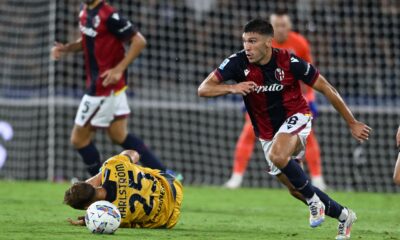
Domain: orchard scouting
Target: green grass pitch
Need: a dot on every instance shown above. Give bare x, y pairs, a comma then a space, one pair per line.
34, 210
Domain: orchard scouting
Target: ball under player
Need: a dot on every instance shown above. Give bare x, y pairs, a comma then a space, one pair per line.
146, 198
396, 175
284, 38
103, 34
268, 79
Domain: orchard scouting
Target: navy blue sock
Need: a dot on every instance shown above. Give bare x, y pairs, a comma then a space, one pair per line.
332, 208
298, 178
147, 158
91, 157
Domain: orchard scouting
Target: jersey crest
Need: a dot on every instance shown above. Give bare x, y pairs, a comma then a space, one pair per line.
279, 74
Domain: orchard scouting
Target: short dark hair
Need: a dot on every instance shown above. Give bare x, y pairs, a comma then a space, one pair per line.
79, 195
260, 26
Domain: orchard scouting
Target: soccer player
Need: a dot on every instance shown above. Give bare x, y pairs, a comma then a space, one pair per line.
284, 38
105, 105
268, 79
146, 198
396, 175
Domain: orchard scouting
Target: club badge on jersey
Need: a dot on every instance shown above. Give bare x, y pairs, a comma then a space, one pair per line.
279, 74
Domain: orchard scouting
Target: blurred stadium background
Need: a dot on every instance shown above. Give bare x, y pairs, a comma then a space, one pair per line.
355, 44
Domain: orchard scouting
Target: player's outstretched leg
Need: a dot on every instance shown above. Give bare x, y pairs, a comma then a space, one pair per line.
283, 147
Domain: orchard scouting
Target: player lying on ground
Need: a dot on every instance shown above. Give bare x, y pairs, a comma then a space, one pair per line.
145, 197
396, 175
103, 34
268, 78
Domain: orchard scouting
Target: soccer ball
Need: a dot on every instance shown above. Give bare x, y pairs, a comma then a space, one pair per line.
102, 217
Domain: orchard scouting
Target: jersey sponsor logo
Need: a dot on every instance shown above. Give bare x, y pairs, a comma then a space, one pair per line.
223, 64
279, 74
96, 21
269, 88
88, 31
294, 60
246, 72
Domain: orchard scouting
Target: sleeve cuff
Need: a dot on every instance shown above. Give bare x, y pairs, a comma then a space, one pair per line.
219, 75
316, 75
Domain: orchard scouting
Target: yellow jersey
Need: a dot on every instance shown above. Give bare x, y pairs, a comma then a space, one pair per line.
145, 197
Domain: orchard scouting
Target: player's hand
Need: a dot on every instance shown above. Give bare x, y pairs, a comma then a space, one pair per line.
111, 76
79, 222
360, 131
57, 51
398, 137
244, 88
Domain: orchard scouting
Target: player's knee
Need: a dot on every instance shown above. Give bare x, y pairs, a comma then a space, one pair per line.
277, 159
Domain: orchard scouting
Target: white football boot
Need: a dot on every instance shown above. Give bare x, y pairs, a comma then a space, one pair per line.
317, 213
344, 228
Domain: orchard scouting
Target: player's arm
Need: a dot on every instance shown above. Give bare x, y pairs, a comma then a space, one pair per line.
80, 221
359, 130
213, 87
125, 31
113, 75
59, 49
396, 174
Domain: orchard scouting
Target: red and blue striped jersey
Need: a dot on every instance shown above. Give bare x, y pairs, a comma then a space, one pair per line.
103, 31
278, 95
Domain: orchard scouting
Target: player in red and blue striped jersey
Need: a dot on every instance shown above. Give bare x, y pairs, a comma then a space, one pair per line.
103, 34
269, 80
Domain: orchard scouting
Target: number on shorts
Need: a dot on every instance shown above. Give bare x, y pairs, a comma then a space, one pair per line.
293, 120
87, 105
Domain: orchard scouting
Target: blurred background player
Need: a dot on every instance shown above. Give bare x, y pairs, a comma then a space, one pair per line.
267, 78
396, 175
146, 198
284, 38
105, 105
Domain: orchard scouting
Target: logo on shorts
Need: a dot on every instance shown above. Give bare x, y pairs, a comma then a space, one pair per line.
279, 74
